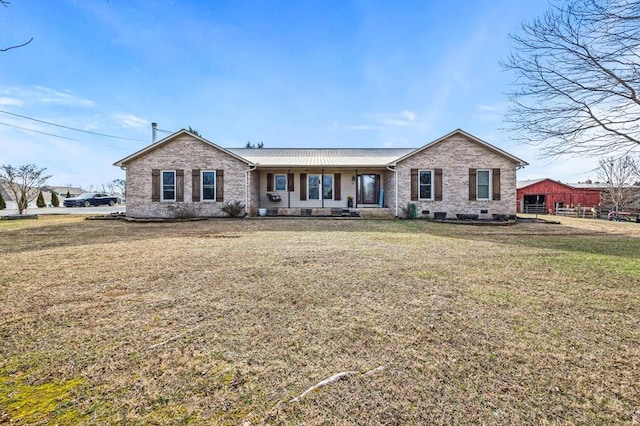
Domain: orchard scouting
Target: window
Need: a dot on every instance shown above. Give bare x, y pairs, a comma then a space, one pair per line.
327, 187
281, 183
168, 185
484, 184
425, 184
314, 187
208, 187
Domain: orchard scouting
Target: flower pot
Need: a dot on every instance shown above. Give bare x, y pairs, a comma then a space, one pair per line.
262, 212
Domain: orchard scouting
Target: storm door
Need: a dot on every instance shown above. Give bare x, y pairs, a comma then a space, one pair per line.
368, 189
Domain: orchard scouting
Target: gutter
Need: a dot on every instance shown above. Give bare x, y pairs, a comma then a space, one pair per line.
395, 171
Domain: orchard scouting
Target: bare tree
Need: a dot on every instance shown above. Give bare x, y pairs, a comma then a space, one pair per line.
5, 3
23, 183
620, 175
577, 75
120, 185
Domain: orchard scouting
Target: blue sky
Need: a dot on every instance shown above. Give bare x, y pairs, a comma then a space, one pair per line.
289, 74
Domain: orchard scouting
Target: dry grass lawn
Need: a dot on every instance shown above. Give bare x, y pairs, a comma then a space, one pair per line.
228, 321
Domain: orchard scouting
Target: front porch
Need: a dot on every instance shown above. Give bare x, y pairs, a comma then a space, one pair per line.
362, 212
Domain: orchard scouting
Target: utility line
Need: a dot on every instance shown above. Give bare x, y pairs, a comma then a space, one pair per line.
71, 128
38, 131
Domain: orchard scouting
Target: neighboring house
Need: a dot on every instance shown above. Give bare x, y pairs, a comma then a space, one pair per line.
63, 190
457, 173
547, 195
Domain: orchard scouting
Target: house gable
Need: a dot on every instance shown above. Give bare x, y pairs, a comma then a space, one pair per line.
184, 156
452, 165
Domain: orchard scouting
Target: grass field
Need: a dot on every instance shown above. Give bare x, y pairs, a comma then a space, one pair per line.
231, 321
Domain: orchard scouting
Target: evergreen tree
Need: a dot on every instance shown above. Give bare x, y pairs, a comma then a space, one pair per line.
55, 201
68, 194
40, 201
3, 204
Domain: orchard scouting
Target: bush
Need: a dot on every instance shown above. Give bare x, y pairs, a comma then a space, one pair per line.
55, 201
40, 201
411, 211
184, 210
3, 204
68, 194
233, 209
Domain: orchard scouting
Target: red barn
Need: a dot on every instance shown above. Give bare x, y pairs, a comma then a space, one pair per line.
545, 195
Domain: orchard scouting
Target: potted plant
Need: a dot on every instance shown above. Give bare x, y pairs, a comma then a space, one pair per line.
349, 201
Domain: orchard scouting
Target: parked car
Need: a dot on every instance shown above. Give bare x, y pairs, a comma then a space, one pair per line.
91, 199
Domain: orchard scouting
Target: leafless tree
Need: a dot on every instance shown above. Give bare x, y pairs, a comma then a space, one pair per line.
577, 75
620, 175
120, 185
5, 3
23, 183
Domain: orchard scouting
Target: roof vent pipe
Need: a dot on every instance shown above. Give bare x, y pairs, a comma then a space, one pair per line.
154, 132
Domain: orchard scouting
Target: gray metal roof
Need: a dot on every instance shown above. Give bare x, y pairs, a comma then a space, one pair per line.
321, 157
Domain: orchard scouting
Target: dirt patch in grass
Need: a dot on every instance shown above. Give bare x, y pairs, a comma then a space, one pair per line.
228, 321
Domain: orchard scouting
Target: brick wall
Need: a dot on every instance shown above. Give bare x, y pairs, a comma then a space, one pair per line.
186, 153
455, 156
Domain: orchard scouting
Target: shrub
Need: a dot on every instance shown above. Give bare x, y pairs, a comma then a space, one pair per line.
55, 201
411, 211
68, 194
184, 210
40, 201
233, 208
3, 204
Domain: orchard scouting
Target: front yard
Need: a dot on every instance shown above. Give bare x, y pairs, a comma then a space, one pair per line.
231, 321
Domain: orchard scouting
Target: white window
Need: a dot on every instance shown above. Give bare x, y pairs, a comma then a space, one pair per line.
281, 183
483, 184
425, 183
208, 185
313, 187
168, 185
327, 187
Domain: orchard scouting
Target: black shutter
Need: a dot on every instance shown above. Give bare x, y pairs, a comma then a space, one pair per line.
336, 186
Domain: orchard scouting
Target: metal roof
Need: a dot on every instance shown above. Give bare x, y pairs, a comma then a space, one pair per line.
321, 157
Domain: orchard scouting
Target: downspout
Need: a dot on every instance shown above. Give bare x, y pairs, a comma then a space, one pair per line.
322, 187
246, 188
395, 178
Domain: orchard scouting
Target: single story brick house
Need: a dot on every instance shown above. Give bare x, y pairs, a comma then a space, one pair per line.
455, 174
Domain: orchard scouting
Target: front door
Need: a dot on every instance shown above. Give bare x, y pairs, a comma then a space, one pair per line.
368, 189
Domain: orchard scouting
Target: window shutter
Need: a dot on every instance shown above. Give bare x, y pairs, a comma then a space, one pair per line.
496, 184
155, 185
303, 186
472, 185
220, 185
290, 181
269, 182
179, 185
437, 196
414, 184
195, 185
336, 186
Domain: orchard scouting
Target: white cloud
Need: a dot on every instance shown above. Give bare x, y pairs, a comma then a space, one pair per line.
130, 120
10, 101
40, 95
